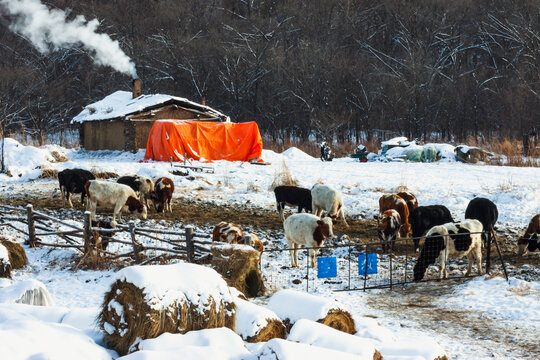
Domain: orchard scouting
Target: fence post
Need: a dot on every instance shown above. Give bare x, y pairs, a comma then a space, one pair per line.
136, 245
87, 232
190, 249
31, 225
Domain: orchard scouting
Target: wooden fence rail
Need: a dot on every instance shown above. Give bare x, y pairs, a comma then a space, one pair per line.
187, 243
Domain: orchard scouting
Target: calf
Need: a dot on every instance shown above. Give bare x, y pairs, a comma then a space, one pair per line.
227, 232
452, 239
394, 202
410, 199
162, 196
117, 195
424, 218
292, 196
325, 197
388, 225
308, 230
140, 184
72, 181
485, 211
529, 240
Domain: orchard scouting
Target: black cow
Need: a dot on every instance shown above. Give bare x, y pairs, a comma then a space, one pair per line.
131, 181
485, 211
72, 181
293, 196
424, 218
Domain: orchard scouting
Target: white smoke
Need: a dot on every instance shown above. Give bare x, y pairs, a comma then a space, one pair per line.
49, 29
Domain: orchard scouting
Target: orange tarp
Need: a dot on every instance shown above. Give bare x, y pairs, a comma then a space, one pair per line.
203, 140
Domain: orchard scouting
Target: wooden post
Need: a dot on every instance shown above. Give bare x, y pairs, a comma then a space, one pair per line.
500, 255
87, 232
136, 245
190, 249
31, 225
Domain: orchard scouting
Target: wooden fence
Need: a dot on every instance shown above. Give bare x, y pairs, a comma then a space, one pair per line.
87, 238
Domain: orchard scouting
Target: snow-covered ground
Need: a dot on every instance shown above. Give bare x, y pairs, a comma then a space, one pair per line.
78, 294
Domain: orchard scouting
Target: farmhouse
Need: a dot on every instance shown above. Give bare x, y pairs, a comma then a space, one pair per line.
122, 120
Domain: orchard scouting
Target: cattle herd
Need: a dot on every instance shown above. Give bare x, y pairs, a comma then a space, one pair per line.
434, 232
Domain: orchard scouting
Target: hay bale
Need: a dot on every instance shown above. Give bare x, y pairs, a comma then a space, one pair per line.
48, 173
147, 301
257, 324
470, 154
59, 156
291, 306
312, 333
17, 255
239, 266
5, 265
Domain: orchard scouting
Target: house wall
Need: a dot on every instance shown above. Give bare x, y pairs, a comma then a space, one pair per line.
103, 135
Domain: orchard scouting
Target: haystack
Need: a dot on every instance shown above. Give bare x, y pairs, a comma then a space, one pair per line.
17, 255
103, 175
239, 266
147, 301
309, 332
5, 265
257, 324
291, 305
30, 292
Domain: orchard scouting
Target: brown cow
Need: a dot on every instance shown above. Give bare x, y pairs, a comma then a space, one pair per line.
529, 241
227, 232
388, 225
410, 199
392, 201
162, 195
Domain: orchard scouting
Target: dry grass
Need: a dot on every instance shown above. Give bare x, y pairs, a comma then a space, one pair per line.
59, 157
48, 173
282, 177
99, 174
340, 320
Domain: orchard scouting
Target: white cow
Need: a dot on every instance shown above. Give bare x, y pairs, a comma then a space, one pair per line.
325, 197
309, 230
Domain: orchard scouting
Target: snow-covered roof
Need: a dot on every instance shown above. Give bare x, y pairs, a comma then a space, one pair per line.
121, 104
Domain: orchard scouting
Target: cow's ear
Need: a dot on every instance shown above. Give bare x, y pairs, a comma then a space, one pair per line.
148, 181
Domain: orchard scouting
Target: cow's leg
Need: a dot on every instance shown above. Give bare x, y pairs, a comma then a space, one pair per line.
92, 207
343, 217
280, 207
478, 256
69, 199
442, 263
313, 256
471, 258
63, 196
118, 211
83, 194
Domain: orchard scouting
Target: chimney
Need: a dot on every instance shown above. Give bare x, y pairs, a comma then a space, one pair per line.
136, 88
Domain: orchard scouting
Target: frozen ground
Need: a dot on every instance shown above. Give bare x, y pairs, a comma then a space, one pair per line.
484, 318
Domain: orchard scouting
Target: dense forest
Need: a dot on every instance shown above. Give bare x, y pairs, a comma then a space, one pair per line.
331, 68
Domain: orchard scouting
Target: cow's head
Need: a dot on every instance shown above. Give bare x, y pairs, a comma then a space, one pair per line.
323, 230
134, 204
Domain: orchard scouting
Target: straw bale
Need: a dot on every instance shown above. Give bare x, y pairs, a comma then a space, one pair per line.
59, 157
340, 320
239, 266
129, 314
291, 306
17, 255
255, 323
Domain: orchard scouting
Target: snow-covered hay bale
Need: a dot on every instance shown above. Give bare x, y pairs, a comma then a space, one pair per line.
30, 292
146, 301
291, 306
17, 255
5, 265
470, 154
312, 333
255, 323
239, 265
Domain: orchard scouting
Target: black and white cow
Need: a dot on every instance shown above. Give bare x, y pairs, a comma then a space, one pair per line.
450, 240
292, 196
485, 211
72, 181
424, 218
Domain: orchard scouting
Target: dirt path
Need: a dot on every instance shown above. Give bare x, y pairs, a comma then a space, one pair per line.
420, 306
